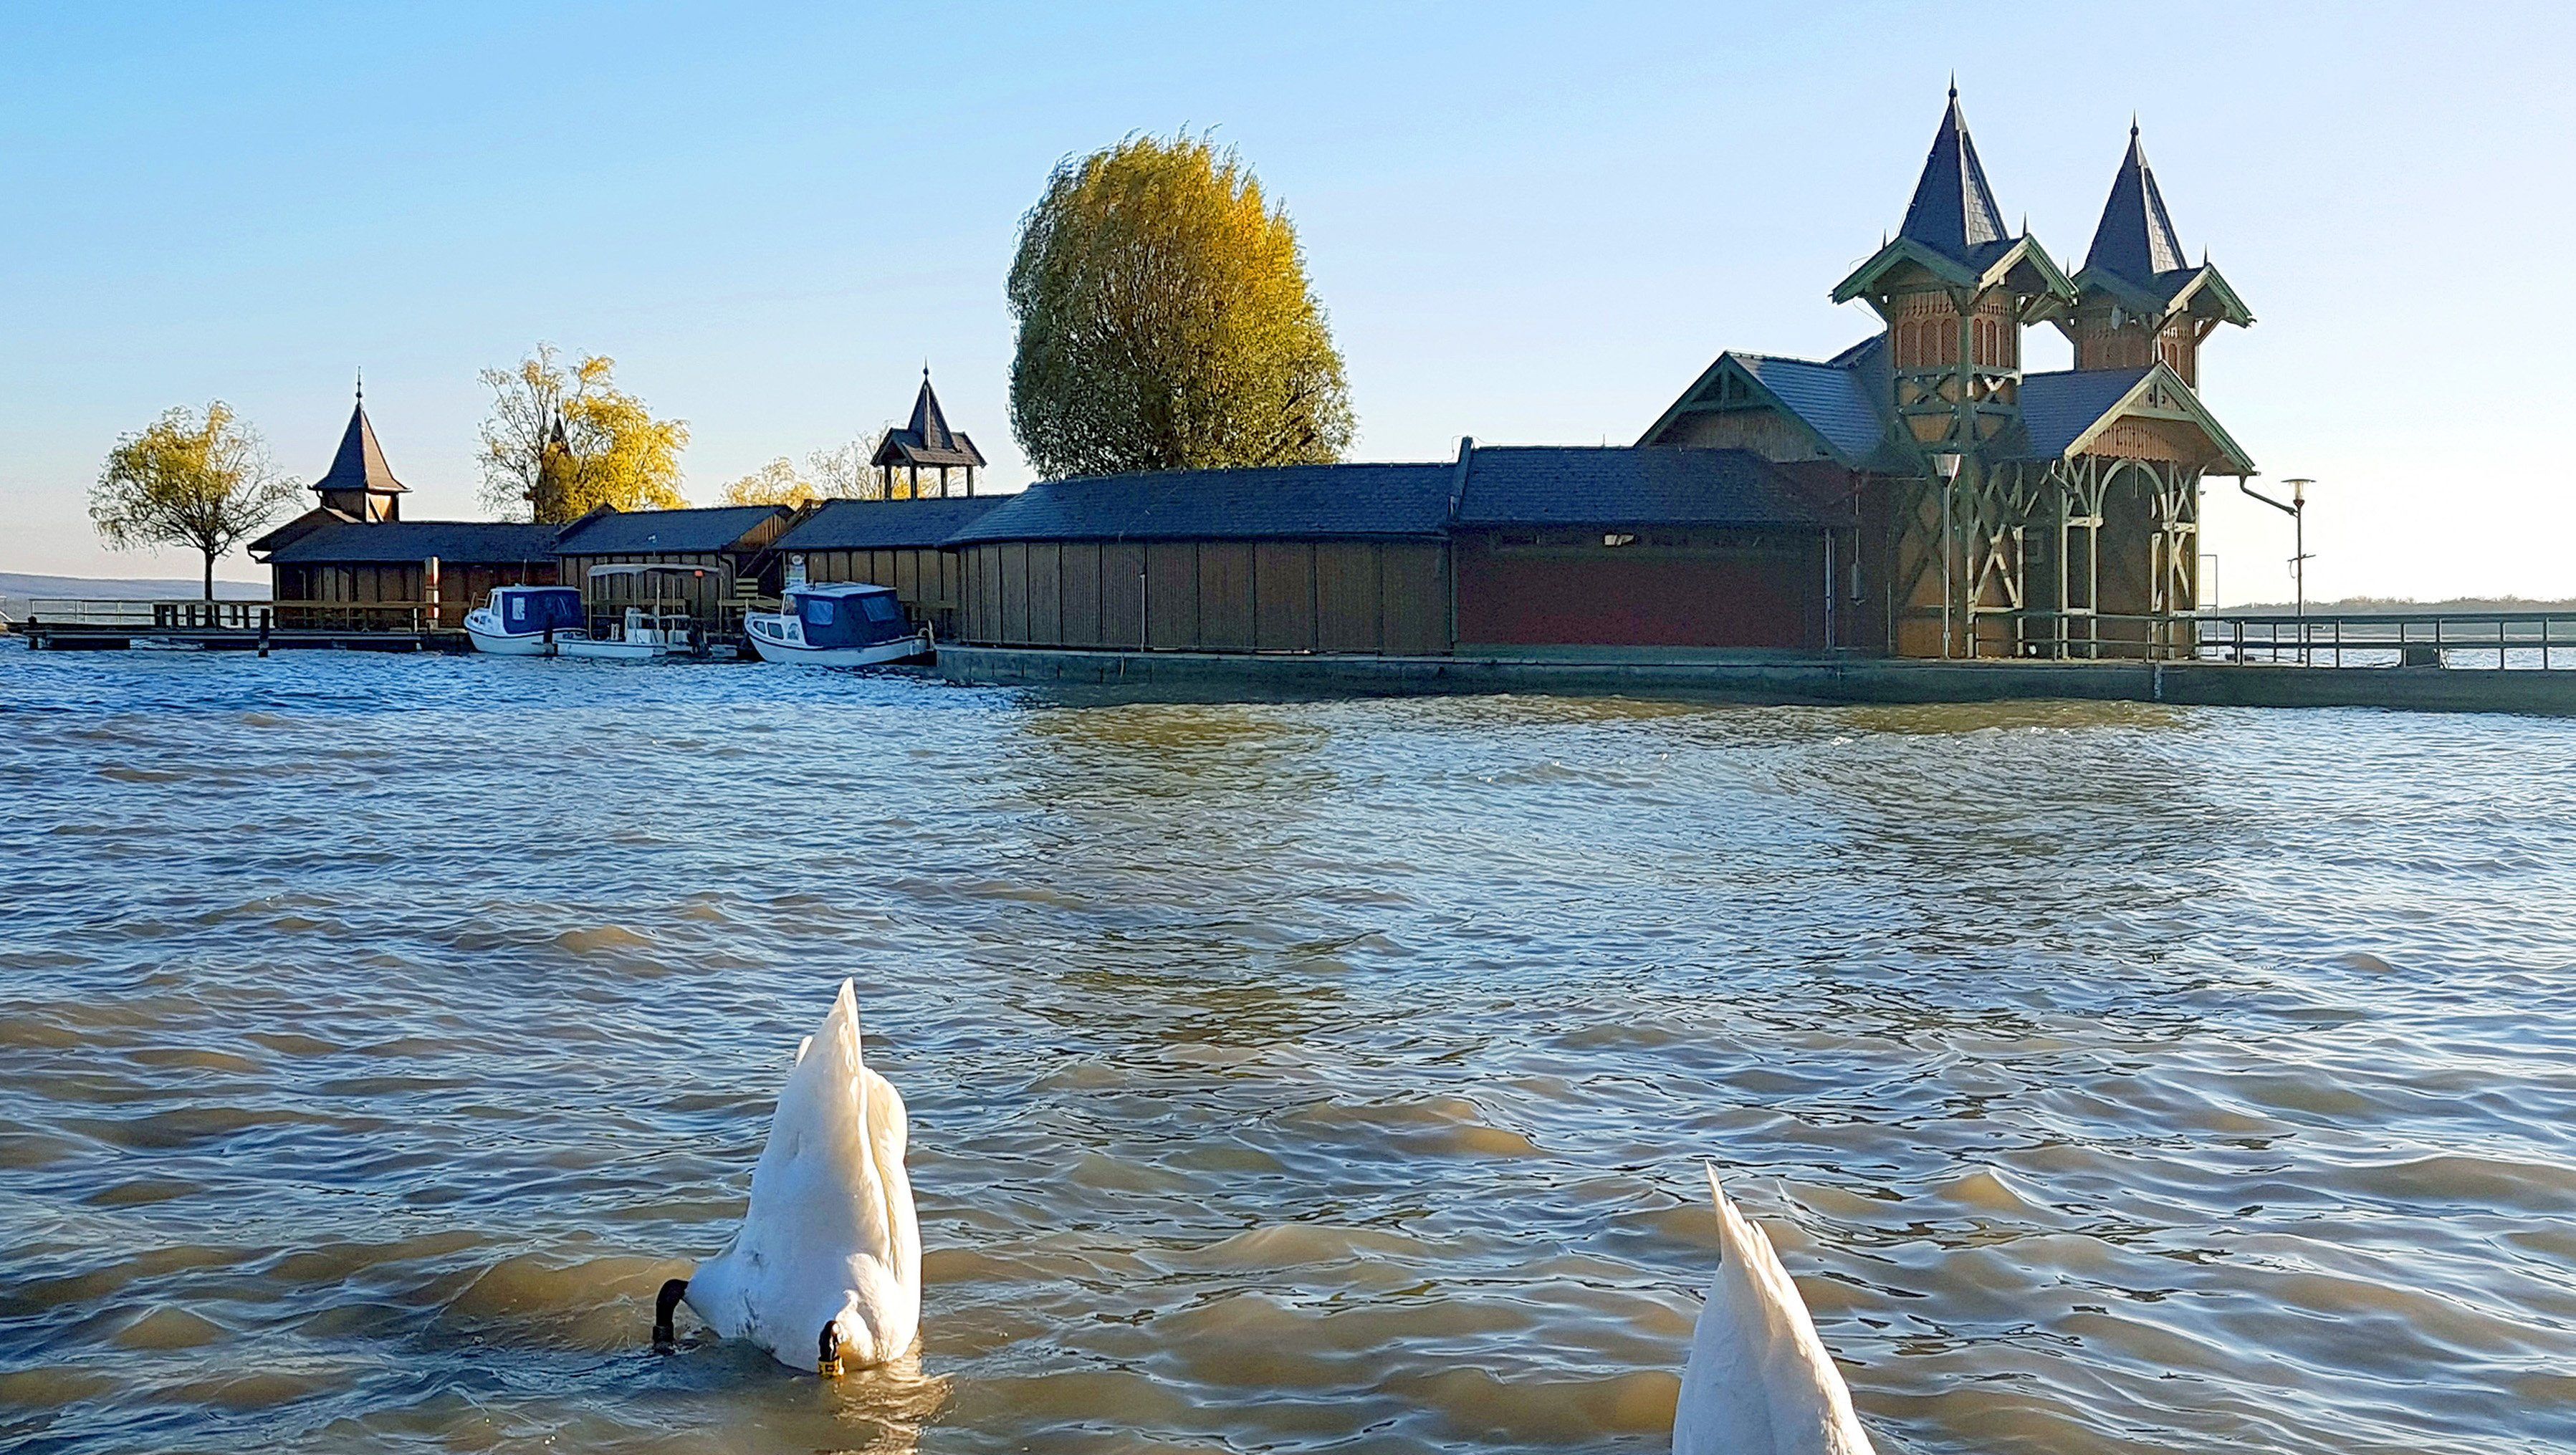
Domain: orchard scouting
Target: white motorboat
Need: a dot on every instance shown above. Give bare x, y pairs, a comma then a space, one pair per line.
527, 621
644, 633
646, 630
841, 624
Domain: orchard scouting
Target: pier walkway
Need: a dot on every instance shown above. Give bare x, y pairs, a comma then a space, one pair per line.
2403, 668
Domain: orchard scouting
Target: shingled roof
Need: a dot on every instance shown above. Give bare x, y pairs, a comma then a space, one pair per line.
360, 463
927, 441
1953, 211
1846, 401
2062, 410
2135, 239
657, 532
886, 525
471, 542
2060, 407
1305, 501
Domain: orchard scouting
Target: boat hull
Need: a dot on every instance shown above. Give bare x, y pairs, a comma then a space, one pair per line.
612, 651
532, 644
876, 654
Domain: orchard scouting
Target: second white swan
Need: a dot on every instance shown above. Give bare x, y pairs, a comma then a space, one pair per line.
1759, 1381
826, 1272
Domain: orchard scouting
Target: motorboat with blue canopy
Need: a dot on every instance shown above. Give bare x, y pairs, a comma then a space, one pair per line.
526, 621
840, 624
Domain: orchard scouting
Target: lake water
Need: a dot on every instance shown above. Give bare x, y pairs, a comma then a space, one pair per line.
377, 1033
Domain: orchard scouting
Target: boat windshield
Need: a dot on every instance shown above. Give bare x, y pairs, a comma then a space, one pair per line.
536, 611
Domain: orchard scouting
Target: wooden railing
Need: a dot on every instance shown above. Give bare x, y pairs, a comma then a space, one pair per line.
371, 616
2493, 640
144, 614
251, 616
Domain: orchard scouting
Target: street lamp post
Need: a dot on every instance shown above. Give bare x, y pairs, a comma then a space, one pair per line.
2296, 508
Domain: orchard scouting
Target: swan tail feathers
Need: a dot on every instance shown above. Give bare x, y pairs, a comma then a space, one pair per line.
1759, 1381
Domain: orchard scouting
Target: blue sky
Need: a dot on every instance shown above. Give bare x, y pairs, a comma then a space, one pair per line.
1529, 224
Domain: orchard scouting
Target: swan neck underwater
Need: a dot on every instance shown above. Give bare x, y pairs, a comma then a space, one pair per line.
1759, 1381
827, 1266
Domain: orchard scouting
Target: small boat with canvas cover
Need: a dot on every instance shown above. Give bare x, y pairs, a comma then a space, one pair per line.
840, 624
526, 621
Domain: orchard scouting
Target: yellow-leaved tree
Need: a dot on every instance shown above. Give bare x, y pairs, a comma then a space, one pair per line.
840, 473
777, 483
563, 439
200, 481
1166, 322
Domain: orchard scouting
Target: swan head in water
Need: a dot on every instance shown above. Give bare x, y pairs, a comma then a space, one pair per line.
1759, 1381
827, 1267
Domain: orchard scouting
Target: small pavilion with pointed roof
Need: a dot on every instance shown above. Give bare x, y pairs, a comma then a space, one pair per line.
1997, 512
359, 484
927, 443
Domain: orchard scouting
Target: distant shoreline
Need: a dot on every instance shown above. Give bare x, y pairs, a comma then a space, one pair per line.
2403, 606
18, 588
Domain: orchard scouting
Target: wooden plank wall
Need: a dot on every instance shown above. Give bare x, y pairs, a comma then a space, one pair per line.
928, 580
1210, 596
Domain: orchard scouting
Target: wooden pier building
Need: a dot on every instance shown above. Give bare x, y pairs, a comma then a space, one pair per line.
1918, 495
723, 552
352, 563
1502, 549
2005, 513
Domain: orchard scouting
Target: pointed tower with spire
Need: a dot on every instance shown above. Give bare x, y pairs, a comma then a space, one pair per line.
1956, 289
927, 443
359, 484
2139, 301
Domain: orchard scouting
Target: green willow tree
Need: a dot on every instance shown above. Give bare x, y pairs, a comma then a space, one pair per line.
200, 481
562, 439
1166, 322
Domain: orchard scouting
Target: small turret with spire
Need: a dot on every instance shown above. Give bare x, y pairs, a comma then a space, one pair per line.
359, 484
2139, 299
1956, 288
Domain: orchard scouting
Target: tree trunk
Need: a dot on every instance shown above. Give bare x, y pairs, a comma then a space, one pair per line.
210, 575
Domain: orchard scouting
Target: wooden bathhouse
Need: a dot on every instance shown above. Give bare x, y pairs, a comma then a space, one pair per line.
2004, 513
1503, 549
352, 561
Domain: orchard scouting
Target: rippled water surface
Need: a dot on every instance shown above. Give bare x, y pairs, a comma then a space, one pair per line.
376, 1034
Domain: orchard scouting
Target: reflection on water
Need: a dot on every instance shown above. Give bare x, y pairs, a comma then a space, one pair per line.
376, 1034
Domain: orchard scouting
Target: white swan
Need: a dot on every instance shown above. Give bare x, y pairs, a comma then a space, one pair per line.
827, 1267
1759, 1381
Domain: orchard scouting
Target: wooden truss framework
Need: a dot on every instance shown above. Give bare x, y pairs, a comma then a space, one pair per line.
1975, 534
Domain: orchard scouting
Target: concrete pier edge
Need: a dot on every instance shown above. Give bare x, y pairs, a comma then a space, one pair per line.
1219, 675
